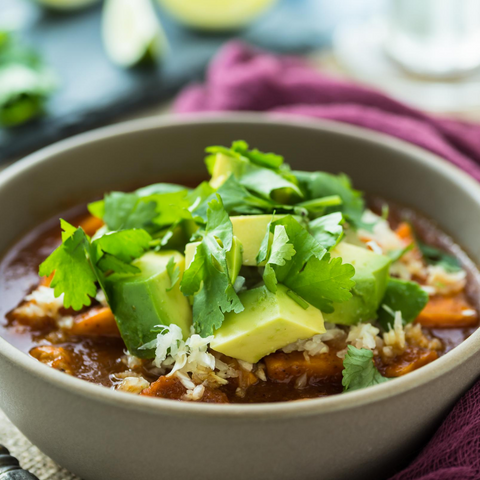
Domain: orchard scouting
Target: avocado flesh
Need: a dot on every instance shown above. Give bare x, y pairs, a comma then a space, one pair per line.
269, 321
371, 277
224, 166
233, 257
141, 302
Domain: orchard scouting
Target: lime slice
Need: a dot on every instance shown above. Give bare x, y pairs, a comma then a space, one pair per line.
216, 14
66, 4
132, 33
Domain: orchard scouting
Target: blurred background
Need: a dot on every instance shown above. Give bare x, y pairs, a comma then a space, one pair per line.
67, 66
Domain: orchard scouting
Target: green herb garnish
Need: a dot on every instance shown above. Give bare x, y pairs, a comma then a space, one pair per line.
359, 370
401, 296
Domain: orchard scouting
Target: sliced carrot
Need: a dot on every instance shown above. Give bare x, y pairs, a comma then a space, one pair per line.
91, 224
97, 321
285, 367
56, 357
165, 387
405, 232
448, 312
408, 361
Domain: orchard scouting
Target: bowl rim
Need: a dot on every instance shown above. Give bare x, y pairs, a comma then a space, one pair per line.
265, 411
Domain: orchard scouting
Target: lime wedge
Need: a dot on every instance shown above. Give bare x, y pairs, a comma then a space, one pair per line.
66, 4
216, 14
132, 33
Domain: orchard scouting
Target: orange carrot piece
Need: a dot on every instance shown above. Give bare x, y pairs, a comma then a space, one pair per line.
404, 231
56, 357
91, 224
448, 312
98, 321
173, 389
46, 281
410, 360
285, 367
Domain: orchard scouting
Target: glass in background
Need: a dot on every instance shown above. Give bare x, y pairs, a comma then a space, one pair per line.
437, 38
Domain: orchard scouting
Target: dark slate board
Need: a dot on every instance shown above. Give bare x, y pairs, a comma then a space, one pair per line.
93, 91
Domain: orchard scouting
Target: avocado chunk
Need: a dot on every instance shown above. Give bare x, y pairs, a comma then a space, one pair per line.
371, 277
224, 166
234, 257
141, 302
269, 321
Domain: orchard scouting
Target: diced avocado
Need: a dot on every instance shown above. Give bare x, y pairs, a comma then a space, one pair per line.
224, 166
269, 321
234, 257
143, 301
371, 276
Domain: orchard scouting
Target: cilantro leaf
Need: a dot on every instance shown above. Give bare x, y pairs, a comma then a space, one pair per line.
323, 282
304, 244
207, 278
310, 273
124, 210
173, 272
281, 251
322, 184
150, 208
435, 256
240, 149
359, 370
406, 297
109, 263
238, 200
126, 245
78, 264
261, 173
74, 276
264, 181
327, 230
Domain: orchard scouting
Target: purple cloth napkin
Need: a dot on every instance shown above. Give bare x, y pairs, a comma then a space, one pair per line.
243, 78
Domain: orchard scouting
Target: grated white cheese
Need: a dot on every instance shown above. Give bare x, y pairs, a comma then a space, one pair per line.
187, 358
100, 298
133, 385
42, 303
195, 394
245, 365
66, 323
315, 345
131, 361
382, 235
363, 335
375, 247
443, 282
395, 337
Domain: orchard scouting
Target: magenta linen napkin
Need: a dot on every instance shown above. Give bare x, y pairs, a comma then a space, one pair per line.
243, 78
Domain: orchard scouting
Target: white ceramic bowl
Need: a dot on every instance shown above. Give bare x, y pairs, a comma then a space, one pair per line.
106, 435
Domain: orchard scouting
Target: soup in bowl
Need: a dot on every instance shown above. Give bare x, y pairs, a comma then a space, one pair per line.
209, 302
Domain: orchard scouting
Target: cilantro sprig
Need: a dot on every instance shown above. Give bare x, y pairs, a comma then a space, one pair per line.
78, 263
401, 296
302, 264
207, 278
359, 370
